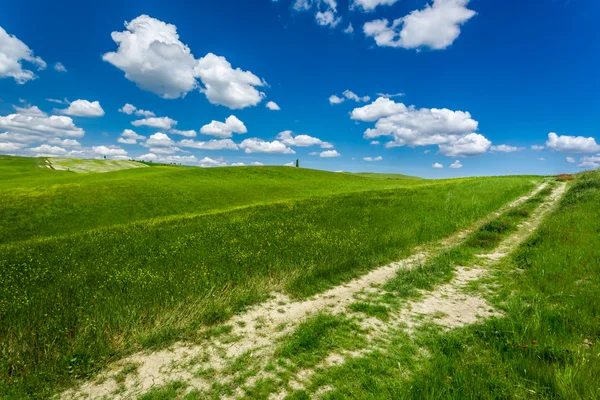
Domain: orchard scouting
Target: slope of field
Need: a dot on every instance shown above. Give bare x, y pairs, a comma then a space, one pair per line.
91, 166
37, 201
82, 287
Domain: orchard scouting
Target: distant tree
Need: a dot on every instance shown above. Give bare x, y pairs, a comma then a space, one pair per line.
105, 157
297, 163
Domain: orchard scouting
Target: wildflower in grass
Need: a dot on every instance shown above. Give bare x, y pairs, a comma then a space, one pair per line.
533, 342
524, 346
518, 344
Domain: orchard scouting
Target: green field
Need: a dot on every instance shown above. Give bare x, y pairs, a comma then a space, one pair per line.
95, 266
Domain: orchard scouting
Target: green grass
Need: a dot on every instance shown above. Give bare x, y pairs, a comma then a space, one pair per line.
39, 202
545, 346
91, 166
96, 266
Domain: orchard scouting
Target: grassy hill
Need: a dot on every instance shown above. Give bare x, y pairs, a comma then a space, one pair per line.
94, 266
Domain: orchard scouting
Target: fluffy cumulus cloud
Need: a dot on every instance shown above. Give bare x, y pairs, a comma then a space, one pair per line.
437, 166
537, 147
151, 55
210, 162
470, 145
256, 145
370, 5
436, 26
572, 144
226, 86
329, 154
130, 137
273, 106
109, 151
371, 159
30, 124
382, 107
12, 54
84, 108
6, 147
188, 133
224, 129
571, 160
221, 144
47, 150
130, 109
168, 159
592, 162
504, 148
288, 138
154, 122
456, 164
452, 131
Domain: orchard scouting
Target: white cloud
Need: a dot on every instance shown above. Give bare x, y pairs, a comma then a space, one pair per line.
130, 137
37, 126
109, 151
427, 151
375, 142
572, 144
537, 148
226, 86
382, 107
470, 145
370, 159
370, 5
452, 131
84, 108
45, 149
127, 109
159, 139
329, 154
349, 29
224, 129
10, 146
571, 160
257, 163
333, 99
12, 53
273, 106
167, 159
30, 111
221, 144
313, 153
592, 162
437, 26
59, 67
65, 101
64, 142
151, 55
504, 148
327, 18
209, 162
438, 166
238, 164
350, 95
256, 145
160, 123
189, 133
456, 164
288, 138
290, 164
390, 96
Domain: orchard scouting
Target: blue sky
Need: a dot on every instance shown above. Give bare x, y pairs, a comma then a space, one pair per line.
476, 83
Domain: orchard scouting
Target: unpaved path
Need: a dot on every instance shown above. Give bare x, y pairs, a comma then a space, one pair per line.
257, 331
